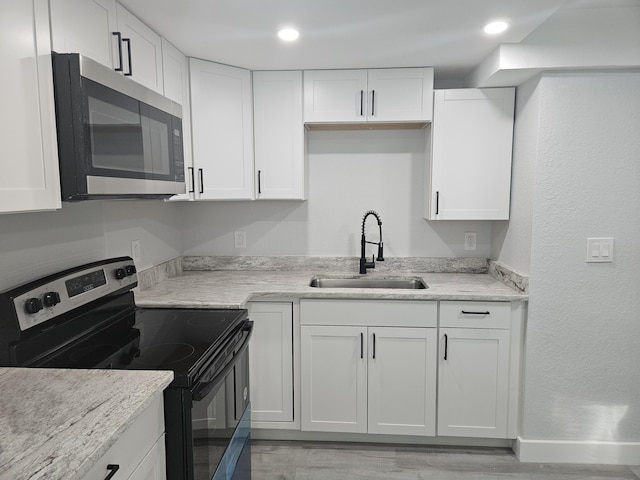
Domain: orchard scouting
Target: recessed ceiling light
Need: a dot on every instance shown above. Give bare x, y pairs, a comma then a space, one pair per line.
495, 27
288, 34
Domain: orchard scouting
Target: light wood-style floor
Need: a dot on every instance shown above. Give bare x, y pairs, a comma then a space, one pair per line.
278, 460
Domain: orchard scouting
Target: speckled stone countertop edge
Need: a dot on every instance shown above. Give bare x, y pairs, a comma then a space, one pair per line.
235, 289
67, 436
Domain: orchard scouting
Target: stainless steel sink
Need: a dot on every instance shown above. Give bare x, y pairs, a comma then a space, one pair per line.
405, 283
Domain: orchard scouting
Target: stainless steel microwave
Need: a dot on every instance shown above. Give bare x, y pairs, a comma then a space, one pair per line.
116, 138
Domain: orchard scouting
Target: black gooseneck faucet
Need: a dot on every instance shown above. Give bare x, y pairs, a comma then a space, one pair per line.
363, 241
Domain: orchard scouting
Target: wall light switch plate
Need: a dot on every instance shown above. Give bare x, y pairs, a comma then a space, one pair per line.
470, 240
599, 250
240, 239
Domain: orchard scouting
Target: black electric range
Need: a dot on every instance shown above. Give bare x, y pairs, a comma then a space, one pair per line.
85, 317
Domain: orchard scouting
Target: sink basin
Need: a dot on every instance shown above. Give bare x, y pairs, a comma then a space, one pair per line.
407, 283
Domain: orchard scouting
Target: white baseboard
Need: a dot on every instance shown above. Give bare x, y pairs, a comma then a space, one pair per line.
605, 453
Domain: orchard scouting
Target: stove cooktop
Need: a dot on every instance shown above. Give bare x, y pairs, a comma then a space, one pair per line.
181, 340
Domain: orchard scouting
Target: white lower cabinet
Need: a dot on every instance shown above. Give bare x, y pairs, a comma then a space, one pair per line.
473, 385
368, 378
474, 369
271, 363
139, 453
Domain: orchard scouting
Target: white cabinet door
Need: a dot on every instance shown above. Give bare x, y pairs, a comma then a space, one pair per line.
470, 168
271, 362
279, 135
175, 72
85, 27
356, 96
143, 61
154, 465
402, 380
334, 378
222, 131
29, 161
473, 384
335, 96
400, 95
139, 451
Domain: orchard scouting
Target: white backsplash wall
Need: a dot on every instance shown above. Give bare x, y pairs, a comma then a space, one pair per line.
39, 243
349, 173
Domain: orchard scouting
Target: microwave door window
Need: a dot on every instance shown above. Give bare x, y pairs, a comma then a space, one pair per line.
156, 142
117, 137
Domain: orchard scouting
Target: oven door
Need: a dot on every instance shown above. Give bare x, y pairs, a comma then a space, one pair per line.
220, 425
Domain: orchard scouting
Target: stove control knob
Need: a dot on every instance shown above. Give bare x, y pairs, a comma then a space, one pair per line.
131, 269
33, 305
120, 273
51, 299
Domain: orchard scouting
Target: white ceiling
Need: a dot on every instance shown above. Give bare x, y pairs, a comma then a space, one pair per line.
445, 34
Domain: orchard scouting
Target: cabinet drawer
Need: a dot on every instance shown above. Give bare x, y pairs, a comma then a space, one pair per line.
374, 313
475, 314
134, 443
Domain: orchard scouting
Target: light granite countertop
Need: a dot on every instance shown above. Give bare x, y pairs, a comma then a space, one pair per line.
234, 288
56, 424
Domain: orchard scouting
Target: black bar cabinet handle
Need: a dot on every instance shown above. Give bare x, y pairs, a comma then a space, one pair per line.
446, 345
374, 346
112, 470
119, 35
259, 181
361, 345
128, 40
193, 181
201, 180
361, 103
464, 312
437, 202
373, 102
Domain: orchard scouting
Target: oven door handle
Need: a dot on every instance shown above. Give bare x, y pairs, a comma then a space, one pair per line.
201, 390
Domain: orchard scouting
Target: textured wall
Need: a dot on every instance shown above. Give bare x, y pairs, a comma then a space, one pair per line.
582, 377
350, 172
511, 240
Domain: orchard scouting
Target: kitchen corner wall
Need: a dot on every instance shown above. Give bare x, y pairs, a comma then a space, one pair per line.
580, 177
40, 243
349, 173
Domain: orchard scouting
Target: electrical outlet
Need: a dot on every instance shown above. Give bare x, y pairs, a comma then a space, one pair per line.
240, 239
135, 250
470, 240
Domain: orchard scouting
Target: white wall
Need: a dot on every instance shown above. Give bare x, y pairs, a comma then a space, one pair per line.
582, 376
349, 173
40, 243
511, 240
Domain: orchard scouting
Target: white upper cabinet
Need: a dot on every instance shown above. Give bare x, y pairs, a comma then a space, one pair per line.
175, 70
355, 96
278, 135
222, 131
29, 160
469, 176
84, 27
108, 33
141, 51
